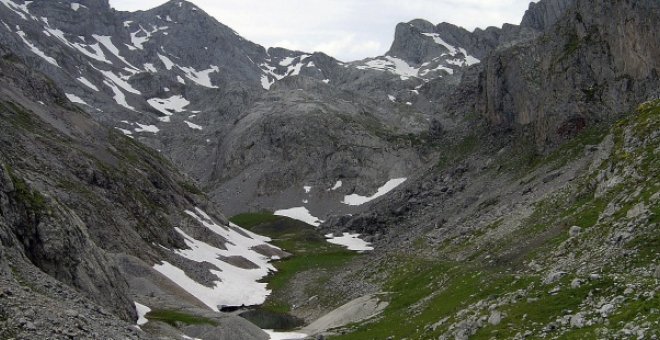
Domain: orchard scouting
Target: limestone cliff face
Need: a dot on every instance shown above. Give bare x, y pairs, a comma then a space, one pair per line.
78, 201
600, 59
542, 15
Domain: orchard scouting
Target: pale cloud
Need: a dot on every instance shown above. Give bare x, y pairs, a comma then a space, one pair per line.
345, 29
348, 44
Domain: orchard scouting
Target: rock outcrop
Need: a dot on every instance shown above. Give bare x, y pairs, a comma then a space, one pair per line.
75, 199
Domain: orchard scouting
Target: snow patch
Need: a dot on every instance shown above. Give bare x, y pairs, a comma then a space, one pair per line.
142, 311
107, 42
200, 77
265, 82
393, 65
355, 199
20, 10
119, 96
146, 128
36, 50
117, 80
150, 67
453, 50
169, 106
76, 6
125, 132
236, 286
337, 185
350, 241
193, 125
166, 61
300, 214
75, 99
87, 83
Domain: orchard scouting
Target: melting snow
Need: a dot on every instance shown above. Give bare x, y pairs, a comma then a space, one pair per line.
87, 83
337, 185
145, 35
193, 125
350, 241
307, 189
75, 99
96, 53
393, 65
469, 60
169, 106
265, 82
300, 214
146, 128
119, 96
150, 67
166, 61
76, 6
142, 310
124, 131
36, 50
19, 9
107, 42
111, 77
235, 286
200, 77
355, 199
287, 61
327, 81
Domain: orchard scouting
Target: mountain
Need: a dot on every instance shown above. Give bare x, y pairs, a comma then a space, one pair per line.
506, 177
94, 225
203, 102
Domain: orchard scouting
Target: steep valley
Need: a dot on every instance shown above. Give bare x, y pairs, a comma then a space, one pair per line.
163, 177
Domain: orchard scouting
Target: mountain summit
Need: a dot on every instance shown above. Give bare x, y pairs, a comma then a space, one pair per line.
494, 183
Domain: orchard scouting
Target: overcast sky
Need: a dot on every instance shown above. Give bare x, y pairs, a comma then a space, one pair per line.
345, 29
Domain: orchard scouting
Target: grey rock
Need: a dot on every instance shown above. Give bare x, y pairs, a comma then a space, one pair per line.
542, 15
554, 277
576, 283
595, 277
577, 320
606, 310
495, 318
575, 231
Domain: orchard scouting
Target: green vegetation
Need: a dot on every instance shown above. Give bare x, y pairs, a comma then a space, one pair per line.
33, 200
309, 252
425, 295
455, 151
191, 188
572, 44
20, 117
422, 292
176, 318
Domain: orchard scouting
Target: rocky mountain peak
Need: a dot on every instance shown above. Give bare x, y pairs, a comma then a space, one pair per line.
422, 25
543, 14
412, 45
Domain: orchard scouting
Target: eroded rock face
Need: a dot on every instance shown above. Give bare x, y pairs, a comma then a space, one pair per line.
593, 63
543, 14
76, 197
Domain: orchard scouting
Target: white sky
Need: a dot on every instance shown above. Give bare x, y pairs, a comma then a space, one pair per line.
345, 29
